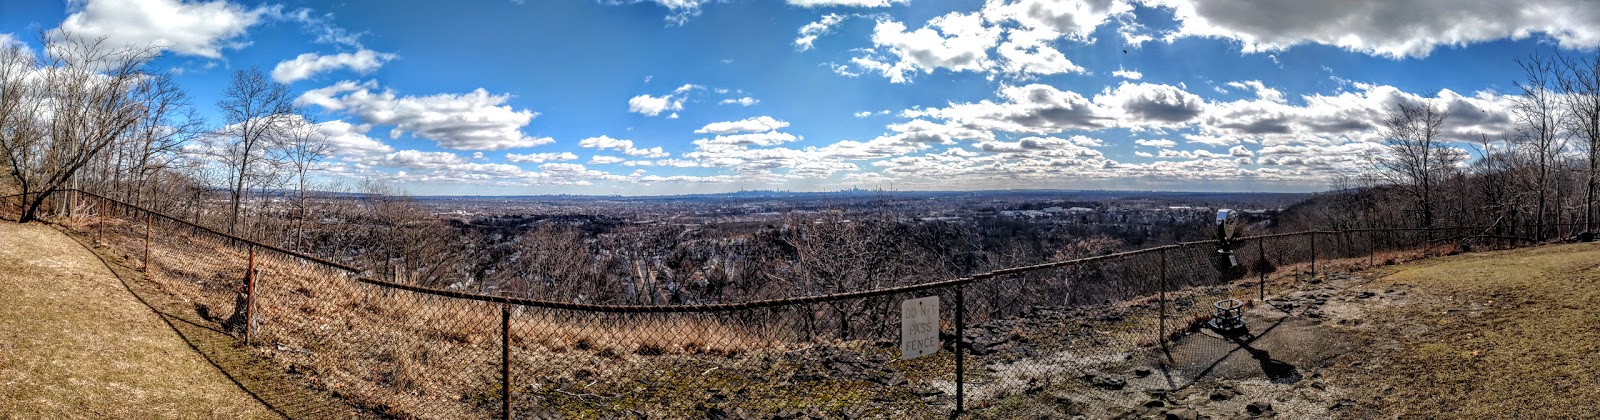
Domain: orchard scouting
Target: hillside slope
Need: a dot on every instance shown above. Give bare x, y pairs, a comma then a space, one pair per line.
1509, 334
75, 343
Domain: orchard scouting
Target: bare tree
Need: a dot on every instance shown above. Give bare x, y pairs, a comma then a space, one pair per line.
1580, 88
62, 109
1539, 119
166, 123
255, 110
1418, 158
303, 146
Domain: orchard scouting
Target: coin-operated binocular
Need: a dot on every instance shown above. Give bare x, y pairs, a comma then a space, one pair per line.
1228, 227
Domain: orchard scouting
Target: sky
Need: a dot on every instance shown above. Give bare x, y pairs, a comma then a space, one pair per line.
651, 97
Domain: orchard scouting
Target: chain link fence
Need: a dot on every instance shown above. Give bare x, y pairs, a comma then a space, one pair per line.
403, 350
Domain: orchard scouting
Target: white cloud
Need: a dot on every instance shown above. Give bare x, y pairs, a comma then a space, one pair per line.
1128, 74
1030, 109
654, 105
1395, 29
810, 32
1022, 34
348, 140
1148, 104
476, 120
955, 41
745, 101
199, 29
540, 157
753, 124
605, 160
846, 3
416, 159
1262, 91
309, 64
624, 146
770, 138
1160, 143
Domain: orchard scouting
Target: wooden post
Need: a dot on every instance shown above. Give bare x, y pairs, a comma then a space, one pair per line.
250, 297
505, 360
100, 214
1313, 254
147, 218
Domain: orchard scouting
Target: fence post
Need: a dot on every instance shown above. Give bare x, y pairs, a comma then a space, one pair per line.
1372, 248
1261, 265
505, 360
147, 218
961, 338
1313, 255
1161, 314
250, 297
100, 214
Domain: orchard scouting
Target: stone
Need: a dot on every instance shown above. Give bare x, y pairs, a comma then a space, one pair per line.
1070, 407
1104, 381
1141, 372
1154, 403
1223, 394
1183, 414
1258, 408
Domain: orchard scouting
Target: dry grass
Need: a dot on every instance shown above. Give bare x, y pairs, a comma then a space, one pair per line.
411, 355
75, 343
1492, 335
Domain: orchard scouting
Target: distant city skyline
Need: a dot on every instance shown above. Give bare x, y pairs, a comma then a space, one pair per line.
673, 97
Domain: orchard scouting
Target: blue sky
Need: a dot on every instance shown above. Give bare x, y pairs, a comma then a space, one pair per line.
688, 96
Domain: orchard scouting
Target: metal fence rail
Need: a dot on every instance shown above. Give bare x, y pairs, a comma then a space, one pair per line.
412, 351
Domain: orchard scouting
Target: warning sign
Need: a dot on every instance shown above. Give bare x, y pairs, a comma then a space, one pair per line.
919, 327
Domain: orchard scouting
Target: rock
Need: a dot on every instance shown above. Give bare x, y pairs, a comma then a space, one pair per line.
1183, 414
1258, 408
1141, 372
1364, 295
1223, 394
1154, 403
1070, 407
1103, 381
1341, 404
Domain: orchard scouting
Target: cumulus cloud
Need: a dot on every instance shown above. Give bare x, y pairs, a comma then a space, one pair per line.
1262, 91
1031, 109
846, 3
349, 140
307, 65
744, 101
476, 120
624, 146
810, 32
1152, 104
1021, 34
1128, 74
540, 157
1159, 143
955, 41
604, 160
654, 105
201, 29
1395, 29
753, 124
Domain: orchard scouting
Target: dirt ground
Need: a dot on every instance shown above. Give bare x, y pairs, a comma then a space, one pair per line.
75, 343
1508, 334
